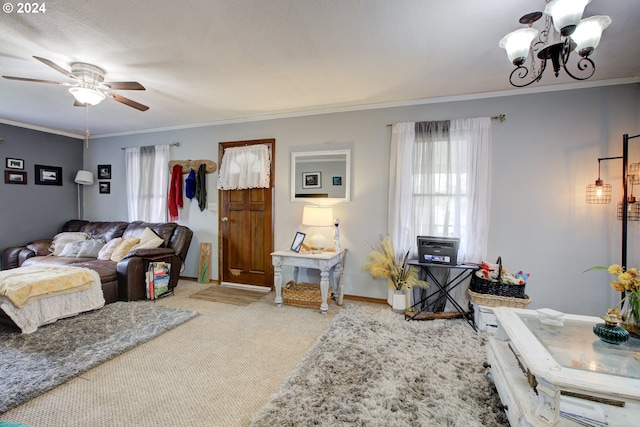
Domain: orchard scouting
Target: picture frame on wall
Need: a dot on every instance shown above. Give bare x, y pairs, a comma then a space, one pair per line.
15, 163
15, 177
311, 180
105, 187
337, 180
297, 241
104, 171
48, 175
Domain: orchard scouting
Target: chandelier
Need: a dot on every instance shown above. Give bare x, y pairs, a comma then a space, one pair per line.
564, 32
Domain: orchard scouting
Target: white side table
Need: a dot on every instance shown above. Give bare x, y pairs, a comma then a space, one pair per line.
323, 261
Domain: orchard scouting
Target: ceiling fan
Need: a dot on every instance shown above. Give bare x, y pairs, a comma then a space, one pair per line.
89, 87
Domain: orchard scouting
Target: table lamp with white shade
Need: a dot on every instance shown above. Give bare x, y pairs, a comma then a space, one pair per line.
83, 178
317, 216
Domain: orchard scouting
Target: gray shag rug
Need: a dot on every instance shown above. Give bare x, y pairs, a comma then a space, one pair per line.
35, 363
373, 368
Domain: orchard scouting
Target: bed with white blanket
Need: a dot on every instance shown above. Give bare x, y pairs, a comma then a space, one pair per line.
41, 294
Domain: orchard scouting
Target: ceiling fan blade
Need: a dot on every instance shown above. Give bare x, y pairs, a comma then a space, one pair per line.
51, 82
124, 85
127, 101
56, 67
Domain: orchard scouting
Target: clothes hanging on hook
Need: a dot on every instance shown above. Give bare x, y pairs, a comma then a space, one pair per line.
175, 192
201, 187
190, 185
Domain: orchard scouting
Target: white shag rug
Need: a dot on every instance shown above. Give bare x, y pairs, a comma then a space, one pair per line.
373, 368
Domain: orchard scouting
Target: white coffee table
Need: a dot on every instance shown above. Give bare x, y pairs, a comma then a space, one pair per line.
540, 370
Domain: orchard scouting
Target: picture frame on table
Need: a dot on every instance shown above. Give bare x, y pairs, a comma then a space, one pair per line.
297, 241
311, 180
15, 163
48, 175
104, 171
105, 187
15, 177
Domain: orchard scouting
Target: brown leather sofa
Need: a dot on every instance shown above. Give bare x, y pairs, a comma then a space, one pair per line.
121, 281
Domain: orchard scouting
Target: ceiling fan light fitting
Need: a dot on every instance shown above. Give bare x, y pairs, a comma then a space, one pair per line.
87, 96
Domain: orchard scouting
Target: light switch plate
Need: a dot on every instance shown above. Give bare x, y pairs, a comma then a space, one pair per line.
212, 207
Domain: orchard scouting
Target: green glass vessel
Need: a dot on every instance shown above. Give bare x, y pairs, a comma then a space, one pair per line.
611, 333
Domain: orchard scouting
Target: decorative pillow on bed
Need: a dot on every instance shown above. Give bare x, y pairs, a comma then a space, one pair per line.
149, 240
124, 247
60, 240
90, 248
107, 250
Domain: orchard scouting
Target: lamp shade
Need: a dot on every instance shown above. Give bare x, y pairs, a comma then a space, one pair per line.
84, 177
566, 14
517, 44
587, 34
317, 216
85, 95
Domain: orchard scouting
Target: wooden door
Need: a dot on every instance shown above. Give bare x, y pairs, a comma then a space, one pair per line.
246, 228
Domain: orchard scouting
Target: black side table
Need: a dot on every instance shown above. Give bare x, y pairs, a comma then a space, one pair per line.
465, 272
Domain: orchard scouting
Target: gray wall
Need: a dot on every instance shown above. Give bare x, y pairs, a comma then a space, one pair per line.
544, 155
32, 211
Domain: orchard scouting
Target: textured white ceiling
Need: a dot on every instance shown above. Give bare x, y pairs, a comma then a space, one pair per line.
217, 61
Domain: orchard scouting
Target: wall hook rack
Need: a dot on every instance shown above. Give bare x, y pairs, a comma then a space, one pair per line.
187, 165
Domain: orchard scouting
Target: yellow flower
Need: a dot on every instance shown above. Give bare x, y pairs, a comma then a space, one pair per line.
615, 270
618, 286
625, 279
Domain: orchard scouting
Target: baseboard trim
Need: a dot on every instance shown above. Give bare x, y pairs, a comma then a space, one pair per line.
248, 287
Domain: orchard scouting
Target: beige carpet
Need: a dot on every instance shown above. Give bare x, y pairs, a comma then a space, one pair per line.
228, 295
215, 370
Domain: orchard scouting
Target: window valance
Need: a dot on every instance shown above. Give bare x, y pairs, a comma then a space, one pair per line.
245, 167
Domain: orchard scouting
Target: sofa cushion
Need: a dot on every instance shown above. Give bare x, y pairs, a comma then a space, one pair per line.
90, 248
105, 231
71, 249
107, 250
124, 247
164, 230
60, 240
149, 240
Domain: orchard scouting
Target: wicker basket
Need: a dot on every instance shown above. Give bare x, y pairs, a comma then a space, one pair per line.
489, 300
303, 294
495, 286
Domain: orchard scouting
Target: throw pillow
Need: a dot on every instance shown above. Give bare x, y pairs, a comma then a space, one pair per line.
90, 248
107, 250
71, 249
124, 247
60, 240
149, 240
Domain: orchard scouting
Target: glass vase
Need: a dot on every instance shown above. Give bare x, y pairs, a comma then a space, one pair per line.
631, 314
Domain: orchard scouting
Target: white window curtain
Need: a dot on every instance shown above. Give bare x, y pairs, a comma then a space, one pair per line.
245, 167
400, 211
147, 170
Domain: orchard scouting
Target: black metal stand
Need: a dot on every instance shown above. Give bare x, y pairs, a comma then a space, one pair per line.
444, 288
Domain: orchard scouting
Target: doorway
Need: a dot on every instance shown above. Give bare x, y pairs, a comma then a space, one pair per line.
245, 227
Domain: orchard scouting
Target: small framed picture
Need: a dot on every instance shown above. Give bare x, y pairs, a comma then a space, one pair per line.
15, 163
337, 180
311, 180
104, 171
15, 177
48, 175
105, 188
297, 241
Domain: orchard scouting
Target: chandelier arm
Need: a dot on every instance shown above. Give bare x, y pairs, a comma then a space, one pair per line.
582, 65
521, 73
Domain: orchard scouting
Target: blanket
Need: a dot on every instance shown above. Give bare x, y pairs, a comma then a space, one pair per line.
42, 311
27, 284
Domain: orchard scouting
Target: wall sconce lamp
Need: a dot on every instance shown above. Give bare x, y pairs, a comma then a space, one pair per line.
83, 178
318, 216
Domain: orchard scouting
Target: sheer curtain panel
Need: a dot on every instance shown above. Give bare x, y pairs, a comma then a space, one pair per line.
147, 175
400, 211
245, 167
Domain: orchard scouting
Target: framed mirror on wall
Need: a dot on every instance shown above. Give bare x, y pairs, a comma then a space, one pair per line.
321, 176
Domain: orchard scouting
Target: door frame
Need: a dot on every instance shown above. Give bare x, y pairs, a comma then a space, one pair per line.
270, 248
